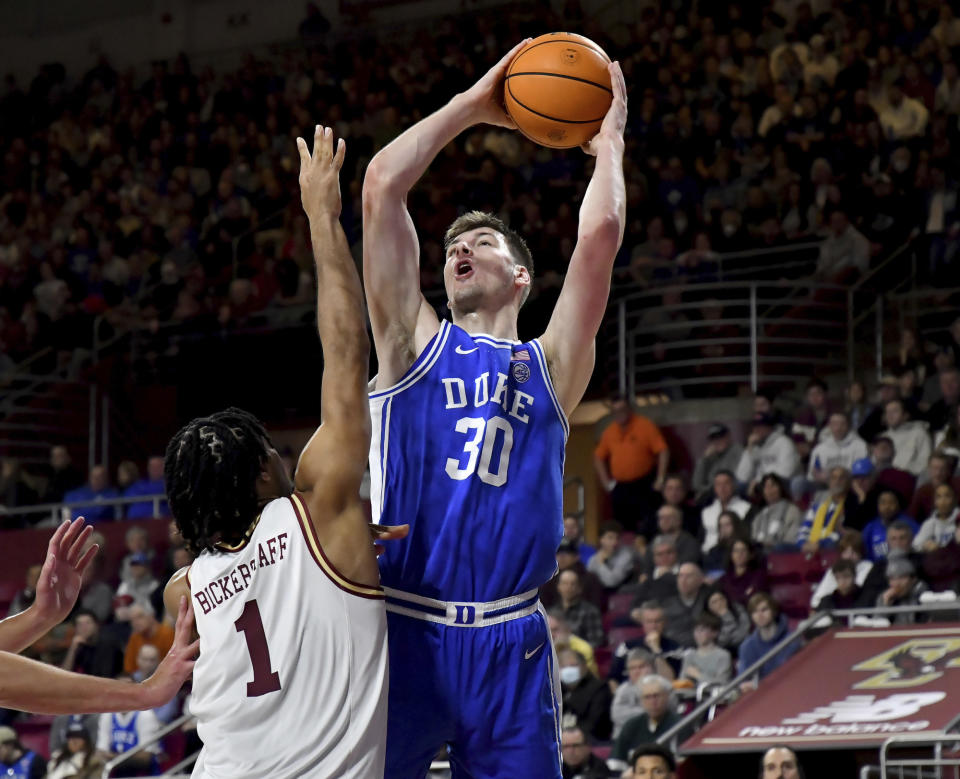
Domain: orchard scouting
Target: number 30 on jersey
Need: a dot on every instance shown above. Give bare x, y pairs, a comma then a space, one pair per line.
483, 436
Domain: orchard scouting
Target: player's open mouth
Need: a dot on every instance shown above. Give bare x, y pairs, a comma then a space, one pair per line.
463, 270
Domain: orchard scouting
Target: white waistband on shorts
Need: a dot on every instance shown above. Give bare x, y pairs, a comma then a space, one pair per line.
462, 614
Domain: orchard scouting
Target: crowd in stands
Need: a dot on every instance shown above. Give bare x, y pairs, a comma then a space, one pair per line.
171, 198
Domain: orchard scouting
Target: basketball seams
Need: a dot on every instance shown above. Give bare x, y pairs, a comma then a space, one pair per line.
547, 116
560, 75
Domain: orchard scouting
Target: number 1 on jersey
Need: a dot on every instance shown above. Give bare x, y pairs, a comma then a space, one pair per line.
250, 624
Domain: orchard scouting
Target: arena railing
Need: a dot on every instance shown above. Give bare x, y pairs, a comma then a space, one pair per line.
912, 766
692, 719
59, 511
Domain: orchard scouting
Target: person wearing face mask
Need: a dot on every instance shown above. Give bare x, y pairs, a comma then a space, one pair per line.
584, 695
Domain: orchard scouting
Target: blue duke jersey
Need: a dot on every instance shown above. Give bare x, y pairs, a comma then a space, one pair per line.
468, 448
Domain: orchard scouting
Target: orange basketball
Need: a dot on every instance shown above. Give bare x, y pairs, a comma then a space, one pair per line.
558, 90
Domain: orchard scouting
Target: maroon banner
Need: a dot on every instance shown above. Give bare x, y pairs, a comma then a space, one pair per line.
849, 688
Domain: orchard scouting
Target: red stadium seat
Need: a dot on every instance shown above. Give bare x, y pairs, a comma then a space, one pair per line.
792, 567
35, 736
793, 597
9, 589
604, 656
620, 602
617, 636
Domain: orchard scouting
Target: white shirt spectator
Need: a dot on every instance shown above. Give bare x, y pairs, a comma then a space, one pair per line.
907, 119
911, 443
830, 452
710, 517
829, 582
776, 454
940, 531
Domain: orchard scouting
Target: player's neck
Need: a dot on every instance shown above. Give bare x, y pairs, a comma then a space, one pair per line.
499, 324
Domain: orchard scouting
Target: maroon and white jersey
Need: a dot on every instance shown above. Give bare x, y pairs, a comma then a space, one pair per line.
292, 675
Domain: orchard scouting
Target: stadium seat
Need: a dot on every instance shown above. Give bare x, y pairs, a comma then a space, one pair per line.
604, 656
793, 597
618, 636
620, 602
35, 736
8, 590
786, 566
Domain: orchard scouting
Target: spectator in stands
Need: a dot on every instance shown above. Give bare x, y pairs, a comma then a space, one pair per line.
18, 761
770, 628
939, 471
61, 476
839, 445
941, 567
667, 653
847, 593
811, 418
722, 454
903, 589
77, 759
768, 451
15, 489
137, 542
911, 441
92, 651
145, 629
148, 660
61, 723
25, 596
765, 402
126, 731
628, 698
724, 488
874, 424
777, 523
708, 663
140, 584
945, 407
584, 618
850, 547
941, 526
780, 762
681, 610
652, 761
744, 574
889, 510
584, 695
857, 407
675, 494
568, 559
729, 528
97, 489
613, 563
573, 530
670, 525
631, 462
563, 638
825, 518
658, 576
579, 762
127, 474
95, 594
151, 485
845, 254
657, 718
735, 622
902, 118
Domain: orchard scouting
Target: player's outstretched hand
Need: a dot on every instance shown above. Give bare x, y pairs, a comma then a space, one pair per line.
486, 96
174, 669
62, 574
320, 173
615, 120
387, 533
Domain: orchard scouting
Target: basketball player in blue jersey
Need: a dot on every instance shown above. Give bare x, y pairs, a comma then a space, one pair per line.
469, 428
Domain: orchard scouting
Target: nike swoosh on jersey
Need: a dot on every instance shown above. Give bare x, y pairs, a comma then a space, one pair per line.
460, 350
532, 652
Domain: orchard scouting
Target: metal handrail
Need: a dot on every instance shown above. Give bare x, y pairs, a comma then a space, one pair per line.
937, 741
671, 735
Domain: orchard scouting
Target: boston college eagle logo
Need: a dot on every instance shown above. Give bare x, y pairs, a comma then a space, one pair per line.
911, 664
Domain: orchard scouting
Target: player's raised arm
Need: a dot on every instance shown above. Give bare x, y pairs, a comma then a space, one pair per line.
569, 338
68, 556
402, 321
332, 464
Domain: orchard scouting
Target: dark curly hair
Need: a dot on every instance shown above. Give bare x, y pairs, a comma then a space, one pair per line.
211, 468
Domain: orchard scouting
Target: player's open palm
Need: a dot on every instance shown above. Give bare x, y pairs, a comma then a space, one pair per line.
615, 120
62, 574
320, 173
